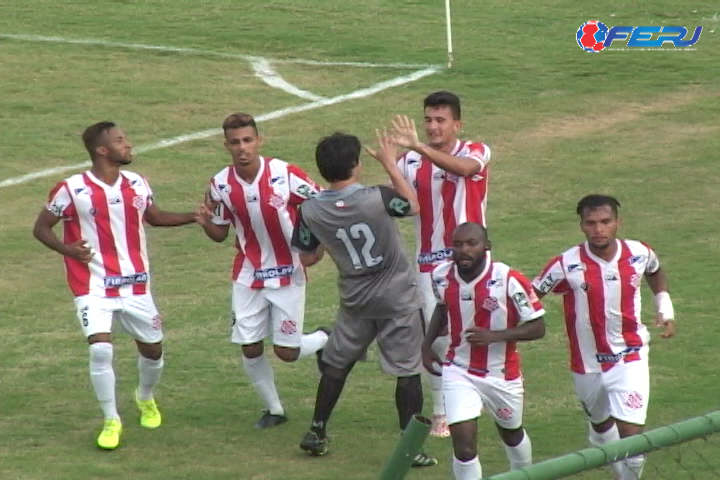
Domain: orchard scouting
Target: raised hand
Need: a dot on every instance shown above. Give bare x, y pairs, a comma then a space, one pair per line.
80, 251
404, 132
387, 151
205, 212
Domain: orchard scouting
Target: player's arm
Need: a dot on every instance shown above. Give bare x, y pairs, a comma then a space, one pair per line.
387, 156
306, 243
551, 279
43, 231
405, 134
657, 281
160, 218
438, 323
210, 215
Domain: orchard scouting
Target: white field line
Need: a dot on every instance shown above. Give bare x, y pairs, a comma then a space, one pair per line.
169, 142
196, 51
264, 71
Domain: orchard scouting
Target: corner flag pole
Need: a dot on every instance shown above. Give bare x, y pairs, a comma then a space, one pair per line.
449, 34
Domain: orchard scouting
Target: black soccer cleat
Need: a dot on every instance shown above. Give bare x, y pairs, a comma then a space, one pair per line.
422, 459
314, 445
268, 420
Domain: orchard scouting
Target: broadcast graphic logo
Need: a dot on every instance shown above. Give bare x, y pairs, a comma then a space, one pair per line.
595, 36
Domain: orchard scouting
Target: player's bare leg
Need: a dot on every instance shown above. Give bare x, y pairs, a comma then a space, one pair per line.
466, 465
310, 344
517, 447
634, 465
150, 367
260, 371
102, 377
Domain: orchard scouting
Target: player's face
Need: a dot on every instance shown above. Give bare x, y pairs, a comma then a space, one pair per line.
599, 226
441, 127
469, 249
118, 148
244, 146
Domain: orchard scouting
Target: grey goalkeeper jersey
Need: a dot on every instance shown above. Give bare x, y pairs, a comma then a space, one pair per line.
355, 225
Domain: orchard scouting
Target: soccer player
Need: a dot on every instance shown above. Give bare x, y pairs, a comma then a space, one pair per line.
488, 308
450, 177
259, 196
600, 283
103, 211
378, 293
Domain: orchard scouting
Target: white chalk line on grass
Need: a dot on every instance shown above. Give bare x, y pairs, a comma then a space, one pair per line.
169, 142
197, 51
264, 71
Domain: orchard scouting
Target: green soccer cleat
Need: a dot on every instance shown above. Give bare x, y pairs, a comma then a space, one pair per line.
149, 414
109, 438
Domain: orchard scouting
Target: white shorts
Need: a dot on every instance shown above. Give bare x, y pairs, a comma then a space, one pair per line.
466, 395
259, 313
623, 392
137, 315
428, 302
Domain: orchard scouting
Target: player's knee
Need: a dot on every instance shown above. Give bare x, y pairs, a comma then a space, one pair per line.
152, 351
412, 381
465, 451
512, 437
286, 354
253, 350
334, 372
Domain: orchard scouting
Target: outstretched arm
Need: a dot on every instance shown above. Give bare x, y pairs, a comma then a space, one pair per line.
159, 218
405, 135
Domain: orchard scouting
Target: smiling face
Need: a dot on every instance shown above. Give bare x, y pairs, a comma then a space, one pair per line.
441, 127
244, 144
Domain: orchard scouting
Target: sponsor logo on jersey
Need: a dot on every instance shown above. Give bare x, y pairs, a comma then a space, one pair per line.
495, 282
279, 180
521, 300
82, 190
122, 280
425, 258
56, 209
306, 191
115, 201
251, 198
637, 259
611, 277
576, 267
274, 272
223, 188
466, 295
546, 284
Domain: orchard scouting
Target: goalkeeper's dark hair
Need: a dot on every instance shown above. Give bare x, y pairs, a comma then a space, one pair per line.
443, 98
93, 136
591, 202
336, 156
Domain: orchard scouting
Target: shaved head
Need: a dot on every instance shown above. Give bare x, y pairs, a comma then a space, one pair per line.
471, 229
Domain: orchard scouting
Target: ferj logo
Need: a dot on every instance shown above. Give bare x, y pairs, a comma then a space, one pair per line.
595, 36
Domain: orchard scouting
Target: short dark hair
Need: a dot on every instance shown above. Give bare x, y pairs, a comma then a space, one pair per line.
336, 156
93, 135
239, 120
444, 99
472, 227
595, 201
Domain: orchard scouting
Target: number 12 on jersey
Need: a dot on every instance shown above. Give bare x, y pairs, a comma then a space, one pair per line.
359, 231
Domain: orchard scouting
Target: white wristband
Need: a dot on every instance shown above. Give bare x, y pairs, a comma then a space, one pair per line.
664, 306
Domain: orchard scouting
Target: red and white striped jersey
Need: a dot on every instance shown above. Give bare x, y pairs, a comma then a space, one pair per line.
110, 219
498, 299
264, 214
446, 200
601, 302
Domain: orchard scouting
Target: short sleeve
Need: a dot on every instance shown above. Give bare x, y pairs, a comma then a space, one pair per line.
395, 204
150, 195
479, 152
552, 278
653, 262
303, 238
302, 186
523, 298
222, 215
60, 202
440, 280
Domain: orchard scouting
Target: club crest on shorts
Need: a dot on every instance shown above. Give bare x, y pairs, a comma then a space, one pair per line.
288, 327
633, 400
504, 413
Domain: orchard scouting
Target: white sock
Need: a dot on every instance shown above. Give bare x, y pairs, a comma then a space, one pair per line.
599, 439
437, 394
520, 456
261, 373
634, 467
470, 470
102, 377
150, 371
312, 342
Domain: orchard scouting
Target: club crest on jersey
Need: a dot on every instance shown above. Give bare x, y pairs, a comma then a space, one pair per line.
576, 267
276, 201
491, 304
138, 202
